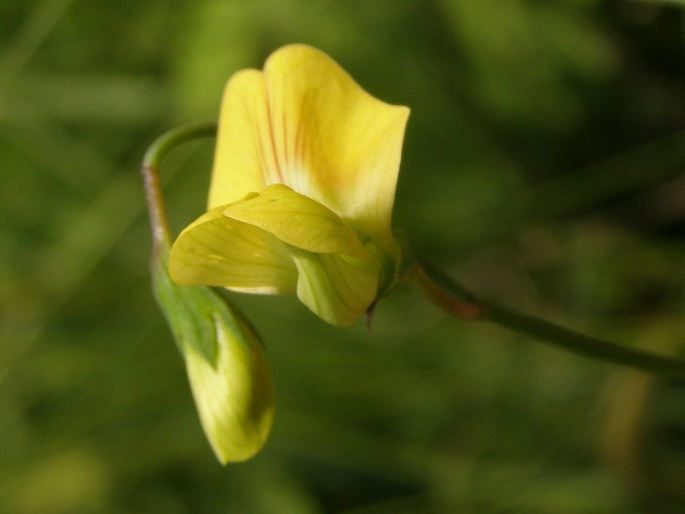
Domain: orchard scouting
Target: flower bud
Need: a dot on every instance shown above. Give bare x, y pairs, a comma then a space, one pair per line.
229, 378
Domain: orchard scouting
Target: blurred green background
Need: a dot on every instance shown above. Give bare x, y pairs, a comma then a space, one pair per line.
543, 166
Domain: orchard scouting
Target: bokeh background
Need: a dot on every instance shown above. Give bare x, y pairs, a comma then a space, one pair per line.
543, 166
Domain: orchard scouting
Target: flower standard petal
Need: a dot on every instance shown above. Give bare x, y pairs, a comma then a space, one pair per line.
334, 142
244, 157
219, 251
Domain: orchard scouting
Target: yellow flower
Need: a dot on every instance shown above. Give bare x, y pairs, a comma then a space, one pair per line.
302, 189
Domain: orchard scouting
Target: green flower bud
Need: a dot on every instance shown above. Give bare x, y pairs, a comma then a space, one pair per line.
229, 378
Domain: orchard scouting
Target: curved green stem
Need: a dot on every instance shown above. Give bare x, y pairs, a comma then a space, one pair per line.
152, 161
458, 301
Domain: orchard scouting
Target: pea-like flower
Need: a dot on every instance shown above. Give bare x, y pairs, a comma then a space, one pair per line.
302, 189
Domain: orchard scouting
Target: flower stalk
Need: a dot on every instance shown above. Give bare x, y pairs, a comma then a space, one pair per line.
152, 161
457, 300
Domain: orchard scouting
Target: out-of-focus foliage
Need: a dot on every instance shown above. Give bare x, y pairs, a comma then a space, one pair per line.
543, 165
